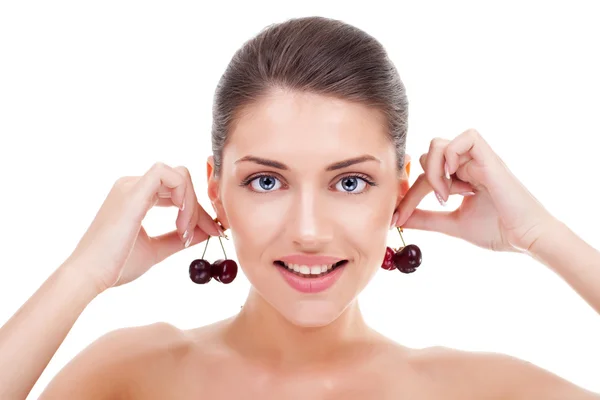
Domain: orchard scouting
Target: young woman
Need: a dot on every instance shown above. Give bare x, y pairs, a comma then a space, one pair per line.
309, 173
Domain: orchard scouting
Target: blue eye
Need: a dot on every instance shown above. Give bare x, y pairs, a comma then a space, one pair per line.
264, 183
349, 184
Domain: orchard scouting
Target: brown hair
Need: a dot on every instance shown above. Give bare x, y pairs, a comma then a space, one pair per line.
315, 54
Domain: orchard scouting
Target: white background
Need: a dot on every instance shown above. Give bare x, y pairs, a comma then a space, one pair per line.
91, 91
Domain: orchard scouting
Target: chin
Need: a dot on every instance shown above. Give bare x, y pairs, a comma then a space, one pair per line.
308, 310
311, 313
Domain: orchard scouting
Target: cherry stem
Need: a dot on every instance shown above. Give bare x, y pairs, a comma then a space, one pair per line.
220, 241
400, 233
205, 247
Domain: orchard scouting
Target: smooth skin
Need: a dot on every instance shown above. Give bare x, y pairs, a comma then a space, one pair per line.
283, 344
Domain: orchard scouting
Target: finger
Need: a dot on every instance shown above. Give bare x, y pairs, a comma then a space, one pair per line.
462, 159
164, 198
186, 219
434, 167
433, 221
188, 226
160, 178
207, 224
170, 243
456, 185
417, 193
434, 163
469, 142
199, 216
450, 185
192, 214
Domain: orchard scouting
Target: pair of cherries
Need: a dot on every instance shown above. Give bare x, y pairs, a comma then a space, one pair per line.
223, 270
405, 259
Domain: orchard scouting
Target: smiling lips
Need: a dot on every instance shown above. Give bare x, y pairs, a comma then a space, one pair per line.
311, 274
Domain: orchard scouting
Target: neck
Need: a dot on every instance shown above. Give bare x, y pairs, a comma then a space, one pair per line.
260, 332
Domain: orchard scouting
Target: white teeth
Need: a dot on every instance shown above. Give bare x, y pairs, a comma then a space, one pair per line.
312, 270
304, 269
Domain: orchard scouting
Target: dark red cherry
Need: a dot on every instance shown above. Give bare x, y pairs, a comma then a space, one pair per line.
388, 262
230, 270
200, 271
408, 258
226, 270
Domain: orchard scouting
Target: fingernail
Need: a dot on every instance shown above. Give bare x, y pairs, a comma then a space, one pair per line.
440, 199
447, 170
467, 193
187, 243
394, 220
183, 205
185, 234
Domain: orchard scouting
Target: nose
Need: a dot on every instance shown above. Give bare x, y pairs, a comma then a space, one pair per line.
310, 224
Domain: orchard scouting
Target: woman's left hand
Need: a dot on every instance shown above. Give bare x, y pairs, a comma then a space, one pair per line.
502, 215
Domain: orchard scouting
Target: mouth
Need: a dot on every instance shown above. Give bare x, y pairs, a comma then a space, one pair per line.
313, 271
311, 279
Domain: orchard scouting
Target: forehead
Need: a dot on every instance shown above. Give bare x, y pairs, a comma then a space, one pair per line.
286, 123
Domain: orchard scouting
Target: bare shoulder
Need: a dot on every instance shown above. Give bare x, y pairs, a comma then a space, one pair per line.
110, 366
493, 375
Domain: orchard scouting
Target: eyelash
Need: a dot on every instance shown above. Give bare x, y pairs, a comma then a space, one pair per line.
365, 178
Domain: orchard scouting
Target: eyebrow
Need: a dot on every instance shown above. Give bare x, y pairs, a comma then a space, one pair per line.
332, 167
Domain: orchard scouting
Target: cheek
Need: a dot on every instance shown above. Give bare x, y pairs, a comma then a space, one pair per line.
370, 222
255, 220
369, 231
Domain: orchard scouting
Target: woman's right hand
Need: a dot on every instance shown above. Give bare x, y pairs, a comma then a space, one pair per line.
116, 249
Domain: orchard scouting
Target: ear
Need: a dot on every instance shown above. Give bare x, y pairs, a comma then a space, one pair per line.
214, 193
403, 182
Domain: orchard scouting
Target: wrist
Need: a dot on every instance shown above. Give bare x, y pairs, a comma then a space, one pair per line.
549, 240
563, 251
70, 271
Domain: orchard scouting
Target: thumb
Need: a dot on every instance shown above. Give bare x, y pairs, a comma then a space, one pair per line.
433, 221
167, 244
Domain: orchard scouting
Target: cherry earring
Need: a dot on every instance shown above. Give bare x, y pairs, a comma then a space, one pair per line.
406, 258
222, 270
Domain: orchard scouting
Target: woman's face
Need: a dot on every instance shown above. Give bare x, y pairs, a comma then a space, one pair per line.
287, 194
